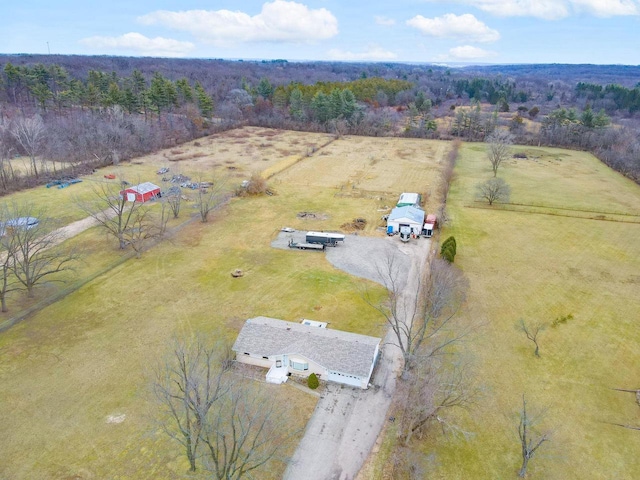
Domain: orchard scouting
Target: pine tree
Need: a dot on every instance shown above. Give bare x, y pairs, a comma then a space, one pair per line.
205, 102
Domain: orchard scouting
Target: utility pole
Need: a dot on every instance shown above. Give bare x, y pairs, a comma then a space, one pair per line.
48, 49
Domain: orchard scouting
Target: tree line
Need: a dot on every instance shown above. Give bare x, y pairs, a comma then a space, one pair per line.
51, 87
93, 116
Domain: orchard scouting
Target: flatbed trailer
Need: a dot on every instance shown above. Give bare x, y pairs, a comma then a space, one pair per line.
306, 246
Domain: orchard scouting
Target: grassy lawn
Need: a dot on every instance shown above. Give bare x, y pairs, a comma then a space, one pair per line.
539, 267
66, 369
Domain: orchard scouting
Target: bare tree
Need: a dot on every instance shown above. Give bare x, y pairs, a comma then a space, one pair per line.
434, 386
211, 195
224, 426
174, 200
421, 322
493, 190
244, 432
144, 226
498, 148
33, 247
532, 332
29, 132
186, 386
530, 441
7, 279
113, 212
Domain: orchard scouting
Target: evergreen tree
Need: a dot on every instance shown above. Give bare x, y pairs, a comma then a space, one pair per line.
205, 102
296, 104
265, 89
185, 92
321, 107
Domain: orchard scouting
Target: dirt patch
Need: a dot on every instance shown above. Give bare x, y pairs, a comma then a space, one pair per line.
355, 225
312, 216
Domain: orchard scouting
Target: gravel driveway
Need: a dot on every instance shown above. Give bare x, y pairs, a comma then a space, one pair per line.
347, 421
357, 255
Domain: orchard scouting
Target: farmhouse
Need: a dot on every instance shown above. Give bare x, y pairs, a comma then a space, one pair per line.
288, 348
142, 192
409, 199
407, 216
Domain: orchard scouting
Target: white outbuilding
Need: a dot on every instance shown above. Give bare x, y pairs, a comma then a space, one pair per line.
407, 216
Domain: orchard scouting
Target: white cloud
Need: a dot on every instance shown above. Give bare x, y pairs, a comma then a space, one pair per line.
468, 52
553, 9
607, 8
372, 53
136, 42
386, 21
278, 21
457, 26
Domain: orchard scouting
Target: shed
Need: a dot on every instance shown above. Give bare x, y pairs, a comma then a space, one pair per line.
409, 199
406, 216
288, 348
142, 192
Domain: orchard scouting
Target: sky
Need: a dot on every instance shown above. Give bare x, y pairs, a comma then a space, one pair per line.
416, 31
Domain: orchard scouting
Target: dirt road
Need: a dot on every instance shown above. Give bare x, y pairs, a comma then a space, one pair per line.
347, 421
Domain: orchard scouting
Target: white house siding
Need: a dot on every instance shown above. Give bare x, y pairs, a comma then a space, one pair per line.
352, 380
259, 361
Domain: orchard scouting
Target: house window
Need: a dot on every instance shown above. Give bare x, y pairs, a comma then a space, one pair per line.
266, 358
278, 363
299, 365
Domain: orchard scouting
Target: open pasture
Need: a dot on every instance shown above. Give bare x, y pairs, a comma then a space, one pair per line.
385, 167
540, 267
71, 367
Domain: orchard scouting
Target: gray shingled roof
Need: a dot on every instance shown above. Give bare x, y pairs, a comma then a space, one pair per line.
335, 350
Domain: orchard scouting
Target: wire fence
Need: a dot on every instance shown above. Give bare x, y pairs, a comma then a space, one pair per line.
75, 286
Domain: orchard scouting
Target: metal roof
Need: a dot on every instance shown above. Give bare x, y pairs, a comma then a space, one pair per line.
409, 212
408, 199
335, 350
145, 187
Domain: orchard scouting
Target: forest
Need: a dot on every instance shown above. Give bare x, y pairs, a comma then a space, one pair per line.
84, 112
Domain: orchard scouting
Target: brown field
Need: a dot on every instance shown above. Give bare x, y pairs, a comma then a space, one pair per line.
68, 368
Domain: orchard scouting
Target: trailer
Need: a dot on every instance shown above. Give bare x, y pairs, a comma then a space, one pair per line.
306, 246
429, 225
325, 238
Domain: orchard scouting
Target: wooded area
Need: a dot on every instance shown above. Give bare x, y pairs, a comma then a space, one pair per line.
92, 111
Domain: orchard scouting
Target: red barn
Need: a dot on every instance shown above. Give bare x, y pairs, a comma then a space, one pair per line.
141, 193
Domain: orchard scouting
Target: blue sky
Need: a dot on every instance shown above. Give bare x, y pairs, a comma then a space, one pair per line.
478, 31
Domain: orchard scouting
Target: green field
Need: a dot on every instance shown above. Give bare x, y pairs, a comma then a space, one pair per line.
538, 267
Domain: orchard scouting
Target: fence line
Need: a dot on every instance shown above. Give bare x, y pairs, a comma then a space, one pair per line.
51, 299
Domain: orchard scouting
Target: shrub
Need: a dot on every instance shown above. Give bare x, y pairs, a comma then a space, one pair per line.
448, 249
449, 243
257, 185
313, 381
448, 255
561, 320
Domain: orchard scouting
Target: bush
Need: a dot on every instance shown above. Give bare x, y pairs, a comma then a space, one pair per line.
313, 381
561, 320
448, 254
257, 185
449, 243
